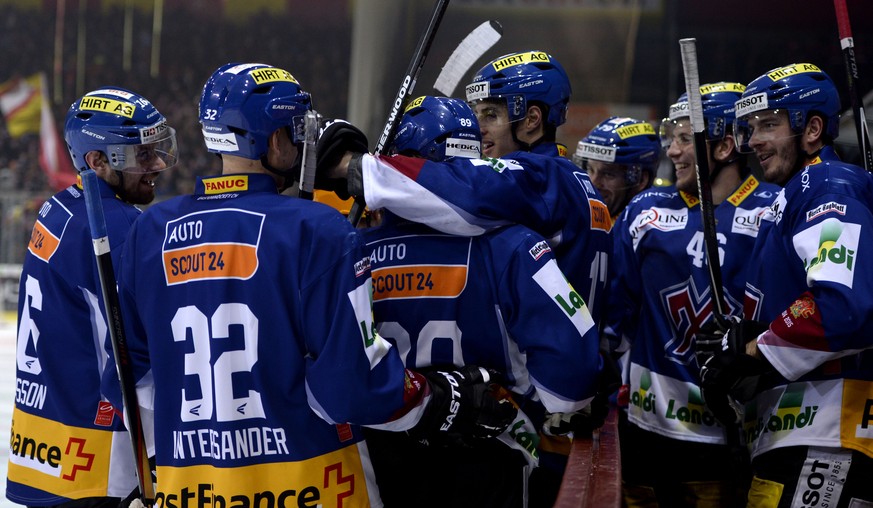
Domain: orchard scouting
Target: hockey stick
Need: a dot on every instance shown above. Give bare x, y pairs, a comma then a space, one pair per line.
688, 49
847, 43
471, 48
307, 167
404, 93
100, 241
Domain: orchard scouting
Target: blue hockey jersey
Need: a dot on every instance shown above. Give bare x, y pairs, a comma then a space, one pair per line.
810, 284
67, 442
470, 196
249, 318
496, 300
661, 296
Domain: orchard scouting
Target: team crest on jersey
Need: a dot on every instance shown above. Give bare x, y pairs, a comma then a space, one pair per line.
689, 309
802, 307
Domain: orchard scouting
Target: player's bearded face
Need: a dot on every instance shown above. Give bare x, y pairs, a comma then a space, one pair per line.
775, 145
138, 188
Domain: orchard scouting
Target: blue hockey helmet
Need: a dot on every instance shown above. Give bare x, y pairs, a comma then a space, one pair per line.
521, 78
124, 126
621, 140
243, 104
438, 128
799, 89
718, 103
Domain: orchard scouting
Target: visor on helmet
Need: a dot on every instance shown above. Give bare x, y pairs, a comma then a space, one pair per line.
159, 154
765, 126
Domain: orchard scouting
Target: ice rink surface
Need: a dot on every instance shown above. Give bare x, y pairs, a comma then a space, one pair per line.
7, 397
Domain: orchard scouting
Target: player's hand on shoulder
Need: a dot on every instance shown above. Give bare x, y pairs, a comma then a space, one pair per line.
336, 139
467, 404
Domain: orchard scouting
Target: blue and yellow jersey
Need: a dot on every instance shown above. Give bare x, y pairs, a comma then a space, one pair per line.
67, 441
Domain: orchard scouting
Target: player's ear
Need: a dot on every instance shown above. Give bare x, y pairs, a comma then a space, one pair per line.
97, 161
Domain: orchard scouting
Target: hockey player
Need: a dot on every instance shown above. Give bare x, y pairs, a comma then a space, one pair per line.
68, 446
661, 297
546, 193
802, 360
621, 156
496, 300
530, 184
520, 100
249, 319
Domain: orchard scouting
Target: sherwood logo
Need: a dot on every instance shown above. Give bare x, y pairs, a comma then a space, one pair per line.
395, 109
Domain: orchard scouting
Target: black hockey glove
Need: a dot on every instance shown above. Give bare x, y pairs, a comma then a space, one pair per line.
584, 422
712, 340
580, 423
729, 380
728, 376
337, 138
464, 406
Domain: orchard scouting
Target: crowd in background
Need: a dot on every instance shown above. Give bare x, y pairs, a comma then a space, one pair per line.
316, 63
313, 41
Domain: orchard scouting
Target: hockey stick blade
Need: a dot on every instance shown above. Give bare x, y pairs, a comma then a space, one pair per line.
688, 48
474, 45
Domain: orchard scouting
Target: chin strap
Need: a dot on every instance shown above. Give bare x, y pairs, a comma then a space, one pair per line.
289, 175
119, 189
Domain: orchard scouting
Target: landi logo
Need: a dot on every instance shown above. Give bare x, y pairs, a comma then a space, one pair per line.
791, 414
641, 397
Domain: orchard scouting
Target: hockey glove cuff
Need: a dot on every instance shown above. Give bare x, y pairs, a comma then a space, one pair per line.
465, 405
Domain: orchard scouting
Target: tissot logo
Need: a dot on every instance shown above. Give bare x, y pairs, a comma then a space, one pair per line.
751, 104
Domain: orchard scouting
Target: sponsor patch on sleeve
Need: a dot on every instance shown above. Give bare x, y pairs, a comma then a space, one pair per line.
539, 249
830, 207
828, 250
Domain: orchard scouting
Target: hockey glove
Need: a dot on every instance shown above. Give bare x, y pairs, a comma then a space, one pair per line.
728, 381
464, 406
337, 138
584, 422
580, 423
712, 340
